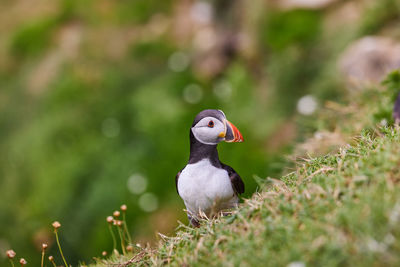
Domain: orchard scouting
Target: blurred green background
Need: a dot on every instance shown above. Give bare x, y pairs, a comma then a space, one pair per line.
97, 97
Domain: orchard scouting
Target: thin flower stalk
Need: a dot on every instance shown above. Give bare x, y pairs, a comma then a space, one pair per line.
57, 225
128, 235
44, 246
51, 259
110, 220
119, 225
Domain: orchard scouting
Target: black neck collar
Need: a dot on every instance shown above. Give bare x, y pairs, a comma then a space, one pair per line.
199, 151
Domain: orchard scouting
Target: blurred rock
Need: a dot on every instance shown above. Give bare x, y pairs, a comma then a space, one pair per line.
368, 60
308, 4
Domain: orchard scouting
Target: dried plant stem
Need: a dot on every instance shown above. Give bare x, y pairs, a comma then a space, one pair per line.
12, 263
54, 264
113, 237
42, 258
59, 247
122, 240
126, 228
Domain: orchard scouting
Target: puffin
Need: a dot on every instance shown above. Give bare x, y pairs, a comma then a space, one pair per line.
206, 185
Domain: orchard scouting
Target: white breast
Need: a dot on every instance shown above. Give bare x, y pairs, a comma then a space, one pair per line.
205, 187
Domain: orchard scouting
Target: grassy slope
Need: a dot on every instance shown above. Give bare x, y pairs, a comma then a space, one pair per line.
337, 209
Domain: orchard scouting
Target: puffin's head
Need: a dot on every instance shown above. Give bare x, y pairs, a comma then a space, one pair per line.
211, 127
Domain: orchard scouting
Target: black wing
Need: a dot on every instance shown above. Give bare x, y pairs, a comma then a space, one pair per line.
236, 181
176, 180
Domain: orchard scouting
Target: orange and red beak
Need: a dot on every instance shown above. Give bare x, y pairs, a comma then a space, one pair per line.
232, 133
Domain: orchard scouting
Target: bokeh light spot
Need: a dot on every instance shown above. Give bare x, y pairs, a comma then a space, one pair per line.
192, 93
204, 39
178, 61
137, 184
223, 90
307, 105
110, 127
148, 202
201, 12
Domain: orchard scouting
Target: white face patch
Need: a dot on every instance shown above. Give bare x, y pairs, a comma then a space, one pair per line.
207, 130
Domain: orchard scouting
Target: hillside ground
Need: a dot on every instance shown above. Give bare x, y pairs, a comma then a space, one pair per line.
339, 208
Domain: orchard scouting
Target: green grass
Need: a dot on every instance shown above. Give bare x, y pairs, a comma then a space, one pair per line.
341, 209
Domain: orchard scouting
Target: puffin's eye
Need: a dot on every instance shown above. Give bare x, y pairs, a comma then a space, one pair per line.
211, 124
